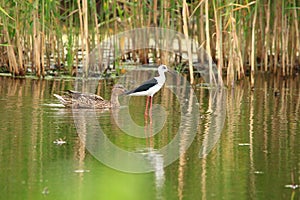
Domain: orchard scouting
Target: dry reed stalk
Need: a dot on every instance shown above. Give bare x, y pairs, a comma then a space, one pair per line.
253, 46
115, 17
42, 42
179, 23
127, 16
295, 48
219, 41
267, 38
155, 12
275, 45
76, 61
52, 44
292, 47
260, 36
149, 17
97, 36
166, 13
207, 35
230, 71
58, 47
287, 45
42, 53
81, 30
13, 66
297, 36
36, 41
186, 34
283, 45
237, 50
63, 56
20, 52
86, 32
83, 18
201, 25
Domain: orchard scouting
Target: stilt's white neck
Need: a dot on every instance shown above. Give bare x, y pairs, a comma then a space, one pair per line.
161, 78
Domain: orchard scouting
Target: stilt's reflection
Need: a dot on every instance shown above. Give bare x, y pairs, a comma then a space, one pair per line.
156, 159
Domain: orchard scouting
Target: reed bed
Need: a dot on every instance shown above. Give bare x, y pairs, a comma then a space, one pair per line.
243, 37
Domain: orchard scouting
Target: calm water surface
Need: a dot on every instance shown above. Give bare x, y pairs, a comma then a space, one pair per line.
254, 153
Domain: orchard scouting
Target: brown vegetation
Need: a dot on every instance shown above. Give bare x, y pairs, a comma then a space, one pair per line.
243, 37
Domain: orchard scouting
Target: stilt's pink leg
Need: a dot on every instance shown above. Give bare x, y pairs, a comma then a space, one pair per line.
150, 105
146, 110
146, 121
151, 138
150, 124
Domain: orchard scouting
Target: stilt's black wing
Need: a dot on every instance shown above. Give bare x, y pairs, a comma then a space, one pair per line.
144, 86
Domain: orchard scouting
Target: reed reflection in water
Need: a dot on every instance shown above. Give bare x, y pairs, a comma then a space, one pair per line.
256, 155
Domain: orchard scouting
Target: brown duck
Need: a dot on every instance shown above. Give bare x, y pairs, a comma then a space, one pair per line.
77, 99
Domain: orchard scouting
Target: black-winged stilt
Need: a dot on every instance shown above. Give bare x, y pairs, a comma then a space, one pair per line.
150, 87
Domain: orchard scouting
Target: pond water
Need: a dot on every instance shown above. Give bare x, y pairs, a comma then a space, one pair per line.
246, 143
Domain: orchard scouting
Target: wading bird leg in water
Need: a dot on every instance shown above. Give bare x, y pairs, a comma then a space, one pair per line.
150, 109
146, 109
150, 129
146, 121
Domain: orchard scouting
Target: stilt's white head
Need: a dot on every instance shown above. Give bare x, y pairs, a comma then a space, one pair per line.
162, 69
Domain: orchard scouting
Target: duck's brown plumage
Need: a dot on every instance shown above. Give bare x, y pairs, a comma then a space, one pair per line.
76, 99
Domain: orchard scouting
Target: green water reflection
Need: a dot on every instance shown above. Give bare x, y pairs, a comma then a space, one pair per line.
256, 157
